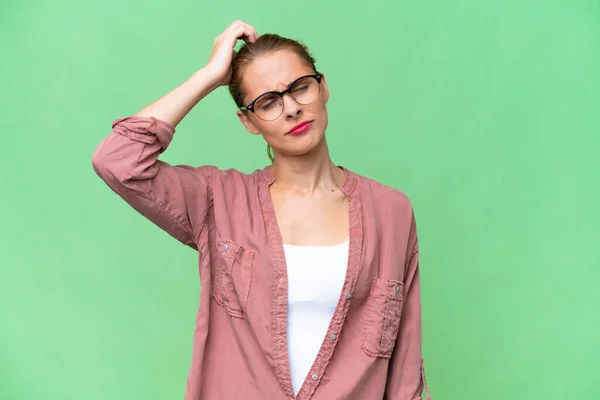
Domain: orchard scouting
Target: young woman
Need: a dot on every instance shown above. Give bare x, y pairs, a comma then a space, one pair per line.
309, 272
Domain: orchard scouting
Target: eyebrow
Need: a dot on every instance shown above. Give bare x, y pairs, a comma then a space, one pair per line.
275, 90
285, 87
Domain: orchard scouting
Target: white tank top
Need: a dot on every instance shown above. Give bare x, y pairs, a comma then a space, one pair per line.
315, 279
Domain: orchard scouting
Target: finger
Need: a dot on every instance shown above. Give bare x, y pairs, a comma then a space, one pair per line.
253, 34
241, 33
232, 27
249, 33
248, 37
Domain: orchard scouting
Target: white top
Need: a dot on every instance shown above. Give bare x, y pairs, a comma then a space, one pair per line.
315, 279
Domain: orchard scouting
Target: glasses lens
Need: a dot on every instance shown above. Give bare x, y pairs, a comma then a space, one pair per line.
306, 90
268, 106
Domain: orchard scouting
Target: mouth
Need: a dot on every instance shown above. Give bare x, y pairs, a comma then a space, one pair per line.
300, 128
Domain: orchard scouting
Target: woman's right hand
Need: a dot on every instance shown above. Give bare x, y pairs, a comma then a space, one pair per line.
219, 64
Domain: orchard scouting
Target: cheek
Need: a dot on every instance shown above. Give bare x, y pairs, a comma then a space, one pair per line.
320, 111
269, 129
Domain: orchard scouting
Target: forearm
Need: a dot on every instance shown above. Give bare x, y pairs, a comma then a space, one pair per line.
176, 104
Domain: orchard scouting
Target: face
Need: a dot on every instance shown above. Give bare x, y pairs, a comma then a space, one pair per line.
276, 71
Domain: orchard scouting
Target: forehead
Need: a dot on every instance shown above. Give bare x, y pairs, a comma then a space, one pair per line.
273, 71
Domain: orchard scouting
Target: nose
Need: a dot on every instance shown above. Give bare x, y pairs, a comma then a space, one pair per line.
291, 109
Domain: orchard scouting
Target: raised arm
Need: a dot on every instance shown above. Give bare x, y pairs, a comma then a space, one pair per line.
176, 198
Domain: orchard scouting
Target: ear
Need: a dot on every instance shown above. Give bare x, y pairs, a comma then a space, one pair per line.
325, 88
245, 120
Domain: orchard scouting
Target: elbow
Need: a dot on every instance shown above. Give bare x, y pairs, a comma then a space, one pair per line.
110, 170
101, 163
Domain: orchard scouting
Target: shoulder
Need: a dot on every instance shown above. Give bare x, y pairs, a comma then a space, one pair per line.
388, 205
382, 193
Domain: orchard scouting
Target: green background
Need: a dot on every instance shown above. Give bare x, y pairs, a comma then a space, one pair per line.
486, 114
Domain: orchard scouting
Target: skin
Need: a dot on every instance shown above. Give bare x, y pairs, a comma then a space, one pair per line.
309, 205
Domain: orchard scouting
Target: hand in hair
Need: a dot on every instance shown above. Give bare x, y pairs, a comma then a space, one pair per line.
219, 64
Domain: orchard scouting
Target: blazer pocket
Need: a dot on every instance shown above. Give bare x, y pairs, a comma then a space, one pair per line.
382, 322
234, 275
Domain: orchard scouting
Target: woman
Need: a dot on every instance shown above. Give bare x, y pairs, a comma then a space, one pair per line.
309, 272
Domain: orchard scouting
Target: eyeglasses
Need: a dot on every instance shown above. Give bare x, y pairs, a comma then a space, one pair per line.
269, 106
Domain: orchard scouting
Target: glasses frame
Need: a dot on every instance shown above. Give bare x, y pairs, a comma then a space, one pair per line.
250, 107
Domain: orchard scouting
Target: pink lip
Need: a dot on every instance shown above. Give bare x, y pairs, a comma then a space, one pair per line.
300, 128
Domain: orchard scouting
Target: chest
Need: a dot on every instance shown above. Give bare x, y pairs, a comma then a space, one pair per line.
312, 220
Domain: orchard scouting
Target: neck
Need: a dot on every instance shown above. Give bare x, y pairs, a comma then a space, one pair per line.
308, 173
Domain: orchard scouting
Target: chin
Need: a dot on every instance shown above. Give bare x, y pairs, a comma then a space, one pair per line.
308, 143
